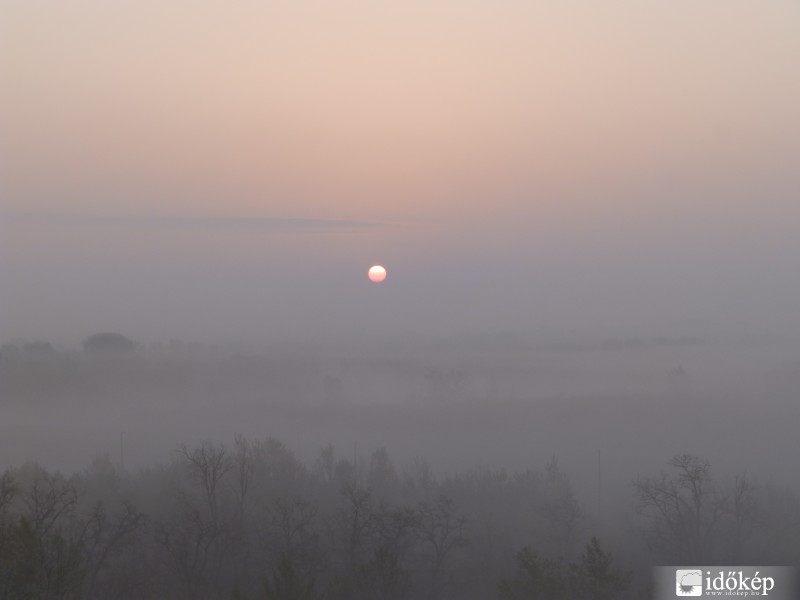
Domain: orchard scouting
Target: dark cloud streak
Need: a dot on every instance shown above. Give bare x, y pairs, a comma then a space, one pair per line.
261, 223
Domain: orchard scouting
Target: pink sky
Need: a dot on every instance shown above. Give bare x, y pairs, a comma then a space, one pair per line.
482, 135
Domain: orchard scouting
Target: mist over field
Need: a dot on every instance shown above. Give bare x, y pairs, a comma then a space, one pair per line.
534, 444
473, 400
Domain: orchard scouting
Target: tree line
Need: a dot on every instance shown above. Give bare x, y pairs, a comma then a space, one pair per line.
249, 521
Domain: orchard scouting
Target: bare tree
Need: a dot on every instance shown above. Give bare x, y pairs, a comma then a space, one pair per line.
743, 511
442, 531
49, 498
559, 507
189, 542
197, 538
208, 463
325, 465
242, 464
102, 536
8, 490
381, 475
291, 529
683, 510
357, 520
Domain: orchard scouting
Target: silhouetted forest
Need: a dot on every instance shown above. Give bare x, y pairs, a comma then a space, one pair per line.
249, 520
264, 516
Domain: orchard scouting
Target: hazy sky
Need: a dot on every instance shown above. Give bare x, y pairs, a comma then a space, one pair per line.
226, 170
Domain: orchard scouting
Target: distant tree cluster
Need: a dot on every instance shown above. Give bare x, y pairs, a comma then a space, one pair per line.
108, 343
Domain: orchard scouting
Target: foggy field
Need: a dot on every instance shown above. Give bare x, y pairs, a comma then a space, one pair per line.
458, 404
504, 433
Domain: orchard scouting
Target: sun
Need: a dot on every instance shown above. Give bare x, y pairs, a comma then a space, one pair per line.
376, 273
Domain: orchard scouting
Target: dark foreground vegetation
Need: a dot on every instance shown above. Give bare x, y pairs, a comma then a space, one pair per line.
250, 521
